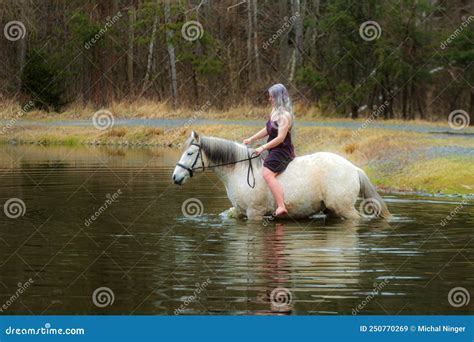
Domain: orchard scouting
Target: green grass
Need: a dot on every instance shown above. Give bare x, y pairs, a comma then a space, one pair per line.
447, 175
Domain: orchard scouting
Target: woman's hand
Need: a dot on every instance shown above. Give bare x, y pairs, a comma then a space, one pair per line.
259, 150
248, 141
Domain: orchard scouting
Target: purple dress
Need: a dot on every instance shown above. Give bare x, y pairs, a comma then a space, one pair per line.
280, 156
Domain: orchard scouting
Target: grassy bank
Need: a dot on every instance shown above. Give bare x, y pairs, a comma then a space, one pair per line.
395, 160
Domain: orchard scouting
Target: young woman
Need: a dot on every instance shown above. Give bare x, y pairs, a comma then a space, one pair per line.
281, 150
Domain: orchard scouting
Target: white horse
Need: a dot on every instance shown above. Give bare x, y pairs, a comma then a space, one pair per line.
311, 183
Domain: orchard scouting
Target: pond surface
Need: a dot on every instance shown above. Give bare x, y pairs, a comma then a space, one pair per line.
153, 259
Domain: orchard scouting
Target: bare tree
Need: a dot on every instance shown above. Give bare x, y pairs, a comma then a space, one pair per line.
255, 39
146, 81
249, 37
21, 46
283, 48
298, 27
171, 53
131, 38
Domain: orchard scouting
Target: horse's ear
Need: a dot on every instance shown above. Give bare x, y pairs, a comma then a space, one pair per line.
195, 136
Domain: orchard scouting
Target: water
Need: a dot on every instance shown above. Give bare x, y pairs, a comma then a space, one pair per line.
155, 260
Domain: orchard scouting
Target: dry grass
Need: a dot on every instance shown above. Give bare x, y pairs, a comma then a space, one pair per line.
116, 132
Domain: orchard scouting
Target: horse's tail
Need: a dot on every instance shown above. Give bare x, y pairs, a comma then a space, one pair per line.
368, 192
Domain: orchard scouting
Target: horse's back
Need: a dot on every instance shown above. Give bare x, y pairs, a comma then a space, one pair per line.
322, 172
326, 160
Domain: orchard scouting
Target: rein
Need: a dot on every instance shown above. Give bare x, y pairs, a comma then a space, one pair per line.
249, 170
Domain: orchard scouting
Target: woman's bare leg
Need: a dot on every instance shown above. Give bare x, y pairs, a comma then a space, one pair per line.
276, 189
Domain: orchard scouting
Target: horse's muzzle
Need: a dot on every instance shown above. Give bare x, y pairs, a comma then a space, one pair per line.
178, 181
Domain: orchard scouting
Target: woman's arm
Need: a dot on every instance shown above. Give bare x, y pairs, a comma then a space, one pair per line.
259, 135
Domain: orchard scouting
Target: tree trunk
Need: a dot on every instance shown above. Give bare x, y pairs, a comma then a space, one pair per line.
283, 48
255, 39
471, 112
420, 106
21, 48
296, 11
97, 91
317, 4
354, 111
411, 114
390, 107
384, 99
249, 37
371, 102
131, 38
195, 86
150, 49
404, 103
171, 53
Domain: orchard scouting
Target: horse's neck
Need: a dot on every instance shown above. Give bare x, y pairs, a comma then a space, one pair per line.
235, 178
235, 174
227, 174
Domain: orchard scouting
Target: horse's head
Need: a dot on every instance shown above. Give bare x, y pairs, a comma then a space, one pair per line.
191, 158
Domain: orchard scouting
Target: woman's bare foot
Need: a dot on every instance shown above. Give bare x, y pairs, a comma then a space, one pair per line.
280, 211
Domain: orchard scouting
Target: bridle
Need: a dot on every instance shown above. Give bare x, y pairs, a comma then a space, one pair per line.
192, 168
249, 158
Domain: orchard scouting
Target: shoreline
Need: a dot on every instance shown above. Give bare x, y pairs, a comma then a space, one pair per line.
171, 123
396, 160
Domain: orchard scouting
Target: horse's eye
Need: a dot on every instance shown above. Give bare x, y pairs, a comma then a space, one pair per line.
190, 153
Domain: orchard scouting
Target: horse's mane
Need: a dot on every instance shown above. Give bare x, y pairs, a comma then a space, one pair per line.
222, 151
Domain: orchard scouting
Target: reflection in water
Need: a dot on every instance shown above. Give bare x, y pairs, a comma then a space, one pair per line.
155, 260
276, 271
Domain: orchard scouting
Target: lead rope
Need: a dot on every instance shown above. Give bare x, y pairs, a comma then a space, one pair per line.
250, 169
